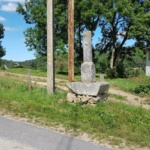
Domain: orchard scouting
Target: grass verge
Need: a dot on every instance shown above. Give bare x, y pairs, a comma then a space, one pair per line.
107, 119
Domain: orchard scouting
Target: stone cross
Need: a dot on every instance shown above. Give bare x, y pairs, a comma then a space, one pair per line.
88, 67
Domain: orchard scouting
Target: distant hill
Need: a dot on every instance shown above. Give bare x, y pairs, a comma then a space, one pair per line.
31, 64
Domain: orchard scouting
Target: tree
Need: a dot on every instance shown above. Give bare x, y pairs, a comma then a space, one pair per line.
87, 15
2, 50
122, 20
119, 20
143, 36
34, 12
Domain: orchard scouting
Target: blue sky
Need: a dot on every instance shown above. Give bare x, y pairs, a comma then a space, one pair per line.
14, 25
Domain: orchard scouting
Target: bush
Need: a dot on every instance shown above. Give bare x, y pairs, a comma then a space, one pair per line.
133, 72
142, 89
101, 62
61, 63
2, 68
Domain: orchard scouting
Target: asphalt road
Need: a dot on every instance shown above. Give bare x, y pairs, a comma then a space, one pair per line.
17, 135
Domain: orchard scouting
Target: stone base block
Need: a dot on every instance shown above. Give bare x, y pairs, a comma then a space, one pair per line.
90, 89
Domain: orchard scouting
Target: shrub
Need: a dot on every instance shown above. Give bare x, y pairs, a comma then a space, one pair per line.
133, 72
142, 89
61, 65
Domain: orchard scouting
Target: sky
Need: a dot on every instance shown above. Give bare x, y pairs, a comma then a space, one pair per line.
14, 26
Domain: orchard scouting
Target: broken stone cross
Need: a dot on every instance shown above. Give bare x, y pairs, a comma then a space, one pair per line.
88, 88
88, 67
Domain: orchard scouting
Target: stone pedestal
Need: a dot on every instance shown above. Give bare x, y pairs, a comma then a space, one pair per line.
88, 90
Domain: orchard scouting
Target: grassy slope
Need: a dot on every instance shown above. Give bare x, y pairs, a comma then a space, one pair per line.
107, 119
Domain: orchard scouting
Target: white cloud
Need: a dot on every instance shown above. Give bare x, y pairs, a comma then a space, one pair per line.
10, 29
18, 1
2, 18
11, 7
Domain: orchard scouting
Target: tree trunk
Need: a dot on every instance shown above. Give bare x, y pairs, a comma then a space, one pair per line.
112, 59
112, 71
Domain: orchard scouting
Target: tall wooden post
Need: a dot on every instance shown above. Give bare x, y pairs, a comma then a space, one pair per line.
71, 40
50, 49
29, 79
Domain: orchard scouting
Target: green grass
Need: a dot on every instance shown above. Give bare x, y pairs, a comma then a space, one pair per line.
117, 97
107, 119
35, 72
25, 71
128, 84
124, 84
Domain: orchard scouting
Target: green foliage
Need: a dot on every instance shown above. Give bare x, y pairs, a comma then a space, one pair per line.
117, 23
132, 65
138, 85
133, 72
142, 89
121, 21
125, 84
2, 50
61, 63
34, 12
86, 18
101, 62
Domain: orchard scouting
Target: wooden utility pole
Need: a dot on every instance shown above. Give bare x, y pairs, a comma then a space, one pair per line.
70, 40
50, 49
29, 79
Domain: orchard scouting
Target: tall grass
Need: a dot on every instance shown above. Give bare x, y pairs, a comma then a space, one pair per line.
107, 119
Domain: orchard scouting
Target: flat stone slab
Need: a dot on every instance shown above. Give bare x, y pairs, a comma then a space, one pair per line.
91, 89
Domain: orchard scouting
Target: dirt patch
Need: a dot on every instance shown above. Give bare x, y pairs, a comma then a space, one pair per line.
131, 98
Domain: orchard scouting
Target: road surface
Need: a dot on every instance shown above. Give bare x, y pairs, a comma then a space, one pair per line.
17, 135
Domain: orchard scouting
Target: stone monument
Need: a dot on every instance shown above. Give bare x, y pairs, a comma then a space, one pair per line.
88, 90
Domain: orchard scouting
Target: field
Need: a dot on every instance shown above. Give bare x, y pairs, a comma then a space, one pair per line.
109, 122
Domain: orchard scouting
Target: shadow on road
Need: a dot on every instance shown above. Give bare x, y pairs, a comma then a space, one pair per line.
69, 140
68, 144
